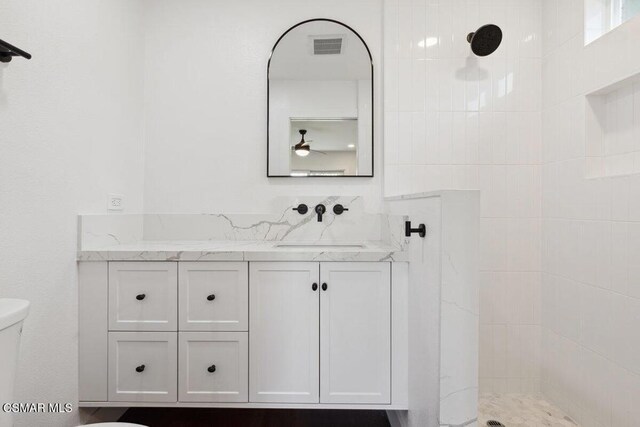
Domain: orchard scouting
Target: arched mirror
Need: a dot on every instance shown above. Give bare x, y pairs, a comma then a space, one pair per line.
320, 103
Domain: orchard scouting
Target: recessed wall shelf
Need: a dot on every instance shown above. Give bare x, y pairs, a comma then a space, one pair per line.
8, 51
613, 129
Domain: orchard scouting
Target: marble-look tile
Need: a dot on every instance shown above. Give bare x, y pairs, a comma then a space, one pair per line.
518, 410
249, 237
459, 307
286, 224
105, 230
283, 223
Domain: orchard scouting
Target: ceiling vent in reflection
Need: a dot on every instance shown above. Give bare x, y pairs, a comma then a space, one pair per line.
327, 45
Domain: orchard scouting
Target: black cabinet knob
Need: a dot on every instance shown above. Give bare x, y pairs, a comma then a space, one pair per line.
211, 368
211, 297
140, 368
140, 297
314, 286
324, 286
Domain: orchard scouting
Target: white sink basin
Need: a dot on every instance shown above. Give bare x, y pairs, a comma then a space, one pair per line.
322, 246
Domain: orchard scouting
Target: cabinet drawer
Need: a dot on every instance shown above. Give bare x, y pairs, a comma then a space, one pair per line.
214, 296
142, 296
213, 367
142, 366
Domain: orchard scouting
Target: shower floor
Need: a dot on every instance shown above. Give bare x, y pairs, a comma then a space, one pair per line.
520, 410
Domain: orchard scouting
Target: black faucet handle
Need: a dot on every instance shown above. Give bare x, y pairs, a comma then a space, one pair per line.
339, 209
302, 209
320, 210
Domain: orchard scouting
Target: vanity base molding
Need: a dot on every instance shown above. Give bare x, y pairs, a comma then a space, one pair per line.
242, 405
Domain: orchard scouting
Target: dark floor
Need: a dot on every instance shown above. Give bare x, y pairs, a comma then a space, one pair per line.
169, 417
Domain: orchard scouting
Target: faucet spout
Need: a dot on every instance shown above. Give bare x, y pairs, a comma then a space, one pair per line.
320, 210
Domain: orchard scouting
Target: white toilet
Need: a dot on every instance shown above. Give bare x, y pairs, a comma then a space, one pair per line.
12, 314
114, 425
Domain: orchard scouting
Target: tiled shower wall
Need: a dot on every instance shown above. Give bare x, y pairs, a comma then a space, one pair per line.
591, 231
456, 121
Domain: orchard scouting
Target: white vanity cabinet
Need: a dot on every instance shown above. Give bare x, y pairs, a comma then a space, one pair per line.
284, 332
142, 296
213, 296
142, 366
320, 332
303, 334
355, 332
213, 367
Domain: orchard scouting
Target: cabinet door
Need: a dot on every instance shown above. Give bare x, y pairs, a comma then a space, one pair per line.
355, 332
213, 296
142, 296
283, 332
213, 367
143, 366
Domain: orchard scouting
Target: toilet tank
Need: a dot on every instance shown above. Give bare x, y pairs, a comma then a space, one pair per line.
12, 314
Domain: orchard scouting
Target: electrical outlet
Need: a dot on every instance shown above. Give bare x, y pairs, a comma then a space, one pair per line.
115, 202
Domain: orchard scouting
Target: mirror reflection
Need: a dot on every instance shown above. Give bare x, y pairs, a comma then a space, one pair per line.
320, 103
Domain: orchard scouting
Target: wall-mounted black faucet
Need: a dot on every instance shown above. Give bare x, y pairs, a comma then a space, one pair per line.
320, 210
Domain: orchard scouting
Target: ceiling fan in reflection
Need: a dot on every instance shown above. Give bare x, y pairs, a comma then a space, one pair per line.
303, 148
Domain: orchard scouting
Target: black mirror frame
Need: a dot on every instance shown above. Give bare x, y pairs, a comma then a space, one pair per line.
372, 100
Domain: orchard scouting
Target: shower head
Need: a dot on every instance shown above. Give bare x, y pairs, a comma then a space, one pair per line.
485, 40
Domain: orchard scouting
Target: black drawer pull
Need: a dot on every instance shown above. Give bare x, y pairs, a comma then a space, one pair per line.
140, 368
211, 368
324, 286
140, 297
211, 297
314, 287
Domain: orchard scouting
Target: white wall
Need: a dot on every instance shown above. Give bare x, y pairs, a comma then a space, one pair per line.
456, 121
332, 160
70, 132
205, 102
591, 232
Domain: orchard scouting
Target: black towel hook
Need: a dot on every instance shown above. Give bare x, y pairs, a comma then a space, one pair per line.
408, 231
8, 51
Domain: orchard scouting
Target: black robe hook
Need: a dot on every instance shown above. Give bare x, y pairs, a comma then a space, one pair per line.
408, 231
8, 51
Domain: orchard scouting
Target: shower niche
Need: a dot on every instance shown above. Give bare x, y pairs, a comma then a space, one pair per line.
613, 129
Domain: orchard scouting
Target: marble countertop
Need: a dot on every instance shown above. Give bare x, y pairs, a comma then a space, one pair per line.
210, 250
